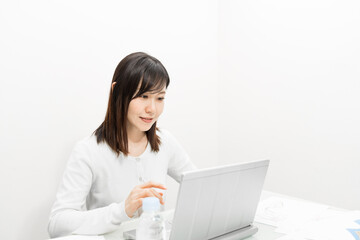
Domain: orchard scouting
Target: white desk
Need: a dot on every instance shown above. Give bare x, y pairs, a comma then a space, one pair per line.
265, 232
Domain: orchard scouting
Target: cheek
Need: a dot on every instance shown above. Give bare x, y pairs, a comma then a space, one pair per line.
131, 114
133, 107
160, 109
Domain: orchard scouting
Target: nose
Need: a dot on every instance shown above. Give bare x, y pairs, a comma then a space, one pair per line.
150, 107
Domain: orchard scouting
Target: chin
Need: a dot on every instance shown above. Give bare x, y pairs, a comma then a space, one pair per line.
145, 129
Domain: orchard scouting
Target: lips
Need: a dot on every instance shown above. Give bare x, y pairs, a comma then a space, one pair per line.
147, 120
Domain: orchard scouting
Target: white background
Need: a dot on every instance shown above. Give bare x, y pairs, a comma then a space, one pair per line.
249, 80
289, 90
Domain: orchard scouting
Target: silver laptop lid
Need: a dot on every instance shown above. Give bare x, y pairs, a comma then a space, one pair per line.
215, 201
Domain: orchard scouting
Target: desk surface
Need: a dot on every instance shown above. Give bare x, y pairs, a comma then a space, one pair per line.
347, 220
265, 231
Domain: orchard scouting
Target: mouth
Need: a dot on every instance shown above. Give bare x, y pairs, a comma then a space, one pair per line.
147, 120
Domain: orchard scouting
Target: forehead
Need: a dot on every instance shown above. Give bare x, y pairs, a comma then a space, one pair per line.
152, 92
158, 91
152, 82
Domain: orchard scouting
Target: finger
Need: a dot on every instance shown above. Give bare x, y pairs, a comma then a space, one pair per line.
149, 192
152, 184
158, 195
145, 193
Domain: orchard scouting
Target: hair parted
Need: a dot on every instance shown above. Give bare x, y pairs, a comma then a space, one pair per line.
135, 75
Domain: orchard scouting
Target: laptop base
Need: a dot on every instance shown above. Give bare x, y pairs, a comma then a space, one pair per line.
234, 235
238, 234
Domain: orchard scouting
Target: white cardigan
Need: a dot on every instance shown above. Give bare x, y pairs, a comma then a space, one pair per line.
96, 182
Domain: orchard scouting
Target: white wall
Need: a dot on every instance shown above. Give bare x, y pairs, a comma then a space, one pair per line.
249, 80
57, 61
289, 91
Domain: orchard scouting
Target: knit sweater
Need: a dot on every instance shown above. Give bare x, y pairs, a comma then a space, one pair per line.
91, 196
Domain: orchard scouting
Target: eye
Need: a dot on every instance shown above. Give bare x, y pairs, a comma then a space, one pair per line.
161, 98
144, 96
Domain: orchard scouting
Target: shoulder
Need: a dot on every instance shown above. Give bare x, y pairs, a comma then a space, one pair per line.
168, 140
88, 152
88, 142
89, 146
165, 136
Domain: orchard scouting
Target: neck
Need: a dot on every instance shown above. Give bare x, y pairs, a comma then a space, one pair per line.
135, 136
137, 142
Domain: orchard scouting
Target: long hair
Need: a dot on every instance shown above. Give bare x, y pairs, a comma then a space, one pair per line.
135, 75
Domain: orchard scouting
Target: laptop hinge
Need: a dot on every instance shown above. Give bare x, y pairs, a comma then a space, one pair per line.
238, 234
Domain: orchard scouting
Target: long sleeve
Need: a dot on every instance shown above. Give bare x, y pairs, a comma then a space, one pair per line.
69, 214
96, 182
179, 161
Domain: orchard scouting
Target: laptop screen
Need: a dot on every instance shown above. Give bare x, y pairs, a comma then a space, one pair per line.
215, 201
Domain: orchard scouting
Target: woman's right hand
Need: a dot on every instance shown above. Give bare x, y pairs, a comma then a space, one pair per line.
134, 200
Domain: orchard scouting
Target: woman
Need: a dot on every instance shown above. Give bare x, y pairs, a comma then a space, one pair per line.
125, 160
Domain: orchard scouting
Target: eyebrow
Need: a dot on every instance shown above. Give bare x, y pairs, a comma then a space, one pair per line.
162, 92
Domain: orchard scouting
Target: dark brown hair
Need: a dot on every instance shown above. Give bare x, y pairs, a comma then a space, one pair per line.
135, 75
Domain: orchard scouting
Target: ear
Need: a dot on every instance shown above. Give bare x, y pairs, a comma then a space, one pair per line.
112, 86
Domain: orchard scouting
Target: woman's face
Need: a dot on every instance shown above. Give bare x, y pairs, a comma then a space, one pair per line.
145, 110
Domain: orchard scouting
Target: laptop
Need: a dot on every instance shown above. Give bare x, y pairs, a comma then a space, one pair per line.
217, 203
